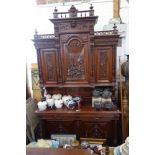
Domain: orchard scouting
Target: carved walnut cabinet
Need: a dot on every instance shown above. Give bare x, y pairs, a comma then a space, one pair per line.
74, 60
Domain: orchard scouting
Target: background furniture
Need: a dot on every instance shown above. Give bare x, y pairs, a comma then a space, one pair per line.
75, 60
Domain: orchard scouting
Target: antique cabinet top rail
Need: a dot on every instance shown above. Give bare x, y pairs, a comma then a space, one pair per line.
108, 32
73, 13
44, 36
96, 33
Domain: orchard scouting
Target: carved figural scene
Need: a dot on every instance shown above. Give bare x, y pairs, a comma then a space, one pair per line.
76, 66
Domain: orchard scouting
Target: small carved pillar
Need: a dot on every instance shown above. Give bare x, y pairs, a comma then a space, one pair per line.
115, 31
55, 15
36, 34
91, 13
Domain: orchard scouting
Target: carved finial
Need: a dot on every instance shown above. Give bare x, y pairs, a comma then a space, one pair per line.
91, 12
55, 15
115, 28
73, 11
55, 10
35, 33
91, 7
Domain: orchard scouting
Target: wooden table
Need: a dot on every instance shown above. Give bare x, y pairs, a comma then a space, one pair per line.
49, 151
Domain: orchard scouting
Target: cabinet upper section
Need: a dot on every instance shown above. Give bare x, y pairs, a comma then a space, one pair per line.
75, 55
75, 21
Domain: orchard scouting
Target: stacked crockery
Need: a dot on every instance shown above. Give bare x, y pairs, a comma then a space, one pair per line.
57, 100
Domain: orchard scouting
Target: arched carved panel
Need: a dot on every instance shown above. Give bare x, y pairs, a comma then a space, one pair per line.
75, 60
75, 64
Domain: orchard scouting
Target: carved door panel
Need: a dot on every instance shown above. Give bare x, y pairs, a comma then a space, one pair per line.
75, 62
101, 130
48, 66
95, 130
103, 65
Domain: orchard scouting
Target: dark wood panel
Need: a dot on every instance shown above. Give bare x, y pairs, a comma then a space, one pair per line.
103, 65
49, 66
74, 52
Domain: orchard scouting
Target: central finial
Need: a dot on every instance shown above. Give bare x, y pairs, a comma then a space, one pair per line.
73, 11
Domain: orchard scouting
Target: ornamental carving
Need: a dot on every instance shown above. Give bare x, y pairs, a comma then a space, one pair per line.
73, 26
95, 130
74, 46
65, 37
49, 66
75, 64
73, 11
103, 62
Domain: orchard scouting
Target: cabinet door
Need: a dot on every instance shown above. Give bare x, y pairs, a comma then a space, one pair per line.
48, 66
103, 65
75, 62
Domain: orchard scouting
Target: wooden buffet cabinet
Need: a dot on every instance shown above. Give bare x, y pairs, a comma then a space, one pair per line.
75, 60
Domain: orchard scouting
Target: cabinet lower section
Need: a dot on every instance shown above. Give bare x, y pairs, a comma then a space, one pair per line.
86, 123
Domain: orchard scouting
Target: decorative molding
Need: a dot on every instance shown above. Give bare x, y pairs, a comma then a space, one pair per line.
72, 26
66, 37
